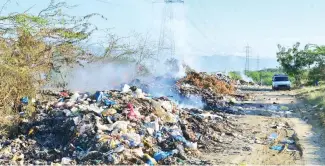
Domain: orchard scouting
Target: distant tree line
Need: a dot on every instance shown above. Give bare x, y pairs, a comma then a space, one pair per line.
263, 77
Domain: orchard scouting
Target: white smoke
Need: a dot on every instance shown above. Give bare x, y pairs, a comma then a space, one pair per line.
245, 77
100, 76
191, 101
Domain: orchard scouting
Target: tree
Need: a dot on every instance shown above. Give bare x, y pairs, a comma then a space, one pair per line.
294, 61
317, 56
33, 45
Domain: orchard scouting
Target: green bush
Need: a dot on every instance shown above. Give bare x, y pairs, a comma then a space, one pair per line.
265, 76
235, 75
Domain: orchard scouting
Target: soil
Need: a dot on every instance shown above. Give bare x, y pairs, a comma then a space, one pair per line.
260, 122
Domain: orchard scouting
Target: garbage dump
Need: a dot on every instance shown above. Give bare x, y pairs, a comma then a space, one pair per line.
115, 127
203, 90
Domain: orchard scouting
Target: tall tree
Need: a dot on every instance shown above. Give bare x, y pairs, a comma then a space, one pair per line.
294, 61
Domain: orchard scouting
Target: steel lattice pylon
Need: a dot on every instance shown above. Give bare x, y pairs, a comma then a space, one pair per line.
166, 45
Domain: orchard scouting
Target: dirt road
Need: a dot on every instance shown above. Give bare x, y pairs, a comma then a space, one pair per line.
270, 119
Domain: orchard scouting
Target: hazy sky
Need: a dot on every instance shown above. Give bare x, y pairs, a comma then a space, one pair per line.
207, 27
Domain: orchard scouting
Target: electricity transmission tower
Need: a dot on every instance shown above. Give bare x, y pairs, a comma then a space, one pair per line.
248, 50
258, 68
166, 44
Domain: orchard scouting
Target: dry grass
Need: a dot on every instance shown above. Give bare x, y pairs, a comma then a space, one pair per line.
15, 83
315, 96
8, 122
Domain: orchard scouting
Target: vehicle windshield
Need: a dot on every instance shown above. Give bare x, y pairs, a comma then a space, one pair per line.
281, 78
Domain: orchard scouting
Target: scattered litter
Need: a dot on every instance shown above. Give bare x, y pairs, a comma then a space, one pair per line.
273, 107
288, 112
277, 147
66, 161
273, 136
284, 108
24, 100
162, 155
292, 147
126, 88
288, 141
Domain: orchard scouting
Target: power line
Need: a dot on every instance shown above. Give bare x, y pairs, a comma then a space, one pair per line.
203, 22
207, 39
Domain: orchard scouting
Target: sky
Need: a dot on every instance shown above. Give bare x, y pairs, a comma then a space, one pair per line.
207, 27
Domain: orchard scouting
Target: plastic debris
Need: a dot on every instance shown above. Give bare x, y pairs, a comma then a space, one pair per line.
273, 136
292, 147
64, 94
284, 108
108, 102
162, 155
288, 141
66, 161
149, 159
99, 96
277, 147
75, 96
131, 114
273, 107
24, 100
126, 88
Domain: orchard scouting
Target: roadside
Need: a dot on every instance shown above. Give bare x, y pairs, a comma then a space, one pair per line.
281, 114
302, 119
313, 115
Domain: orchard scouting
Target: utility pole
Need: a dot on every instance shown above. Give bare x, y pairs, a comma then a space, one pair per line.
248, 50
258, 62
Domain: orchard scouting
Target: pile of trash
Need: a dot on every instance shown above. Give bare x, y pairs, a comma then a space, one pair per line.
224, 77
216, 90
115, 127
215, 83
206, 91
